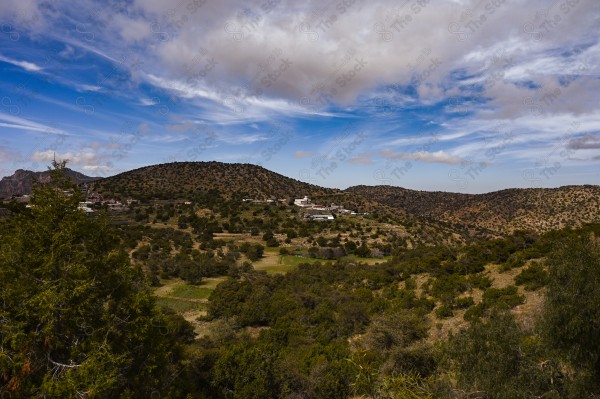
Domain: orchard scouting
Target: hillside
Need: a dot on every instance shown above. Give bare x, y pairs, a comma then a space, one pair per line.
499, 212
180, 179
20, 183
185, 180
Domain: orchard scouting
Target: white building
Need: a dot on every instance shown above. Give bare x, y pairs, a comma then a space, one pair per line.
322, 217
303, 202
85, 206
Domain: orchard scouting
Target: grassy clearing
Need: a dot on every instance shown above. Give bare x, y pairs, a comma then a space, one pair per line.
369, 261
179, 305
212, 282
177, 288
274, 263
190, 292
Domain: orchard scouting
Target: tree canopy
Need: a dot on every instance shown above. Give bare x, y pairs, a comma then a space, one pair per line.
76, 320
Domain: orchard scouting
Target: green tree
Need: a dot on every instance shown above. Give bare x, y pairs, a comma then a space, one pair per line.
495, 359
246, 372
76, 319
571, 316
363, 251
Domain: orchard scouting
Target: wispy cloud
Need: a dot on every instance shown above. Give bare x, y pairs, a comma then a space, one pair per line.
423, 156
15, 122
303, 154
77, 158
26, 65
587, 142
176, 69
361, 160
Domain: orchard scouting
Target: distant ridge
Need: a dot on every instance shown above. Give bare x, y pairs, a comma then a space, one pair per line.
498, 212
476, 215
21, 182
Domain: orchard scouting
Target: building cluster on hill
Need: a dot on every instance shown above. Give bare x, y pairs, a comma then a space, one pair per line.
267, 201
321, 212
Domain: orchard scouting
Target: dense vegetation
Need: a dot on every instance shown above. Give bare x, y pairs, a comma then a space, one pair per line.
78, 318
182, 179
495, 213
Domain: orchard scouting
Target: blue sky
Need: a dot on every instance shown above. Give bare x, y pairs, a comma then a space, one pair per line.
464, 96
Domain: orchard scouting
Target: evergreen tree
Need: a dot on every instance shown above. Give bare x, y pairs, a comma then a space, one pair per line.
571, 316
76, 320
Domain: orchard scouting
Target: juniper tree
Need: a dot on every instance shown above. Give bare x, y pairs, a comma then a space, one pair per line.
76, 319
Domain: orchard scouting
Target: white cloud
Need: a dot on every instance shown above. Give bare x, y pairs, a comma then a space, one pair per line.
361, 160
423, 156
26, 65
85, 87
303, 154
15, 122
242, 138
76, 158
180, 127
586, 142
103, 169
132, 30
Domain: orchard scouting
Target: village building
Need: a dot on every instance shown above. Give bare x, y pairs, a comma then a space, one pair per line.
303, 202
322, 217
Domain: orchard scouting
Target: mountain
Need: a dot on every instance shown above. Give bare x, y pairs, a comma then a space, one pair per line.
495, 213
21, 181
440, 213
181, 179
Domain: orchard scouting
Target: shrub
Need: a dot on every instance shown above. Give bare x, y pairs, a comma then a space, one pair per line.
463, 303
493, 359
572, 309
495, 299
532, 277
444, 311
503, 297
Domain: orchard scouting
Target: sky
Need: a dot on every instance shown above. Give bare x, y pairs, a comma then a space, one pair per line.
440, 95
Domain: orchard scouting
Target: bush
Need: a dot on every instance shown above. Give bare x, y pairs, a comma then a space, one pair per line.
480, 281
444, 311
463, 303
447, 287
492, 357
253, 251
495, 299
572, 309
532, 277
503, 297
